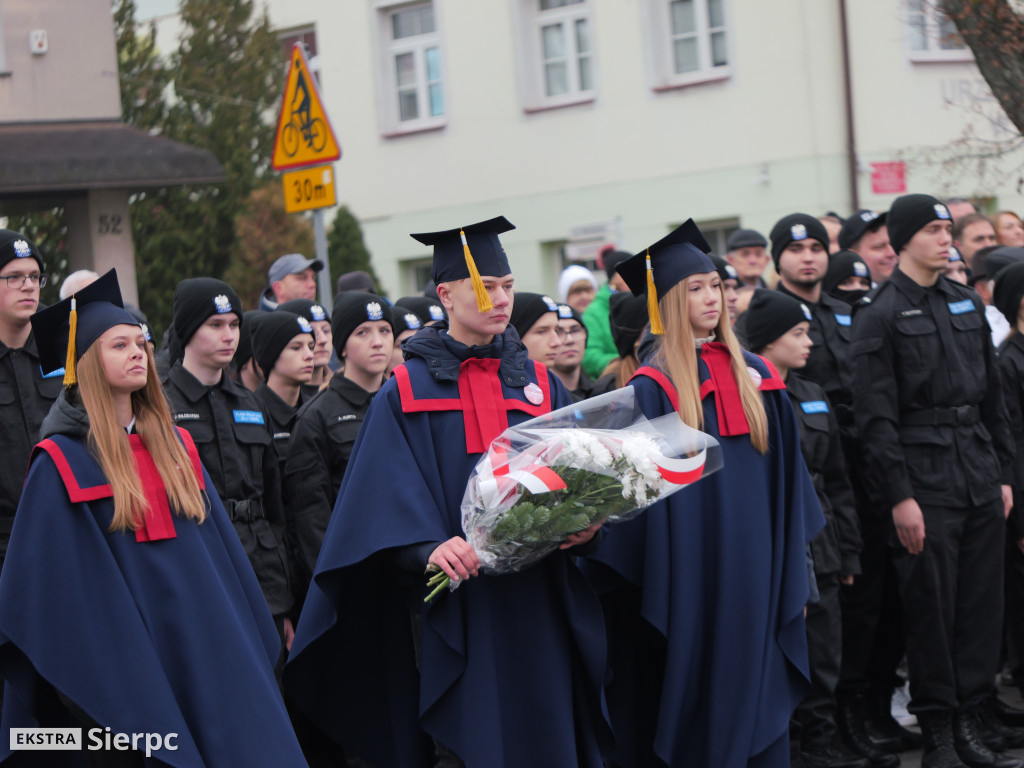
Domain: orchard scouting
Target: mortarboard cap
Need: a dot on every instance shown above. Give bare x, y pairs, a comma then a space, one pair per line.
469, 251
655, 271
64, 331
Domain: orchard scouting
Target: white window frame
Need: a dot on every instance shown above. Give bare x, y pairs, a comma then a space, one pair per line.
531, 21
933, 19
387, 88
657, 23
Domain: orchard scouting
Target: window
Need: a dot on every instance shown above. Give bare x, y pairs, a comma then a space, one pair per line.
306, 36
932, 35
691, 41
413, 89
555, 53
417, 275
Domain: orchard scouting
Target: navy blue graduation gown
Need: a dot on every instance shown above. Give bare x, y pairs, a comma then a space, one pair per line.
512, 666
163, 636
705, 595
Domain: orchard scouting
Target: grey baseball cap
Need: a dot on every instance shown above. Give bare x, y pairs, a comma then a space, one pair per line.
291, 264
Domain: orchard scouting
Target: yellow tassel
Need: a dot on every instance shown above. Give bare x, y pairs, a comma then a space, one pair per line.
483, 300
652, 301
70, 379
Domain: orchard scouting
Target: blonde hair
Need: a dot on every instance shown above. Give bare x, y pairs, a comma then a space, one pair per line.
109, 444
676, 356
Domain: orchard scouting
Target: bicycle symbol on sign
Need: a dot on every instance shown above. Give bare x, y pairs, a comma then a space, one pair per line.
300, 127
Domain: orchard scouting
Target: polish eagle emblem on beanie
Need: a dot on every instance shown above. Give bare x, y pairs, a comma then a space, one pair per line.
798, 232
374, 312
436, 313
222, 303
317, 312
413, 322
304, 325
21, 249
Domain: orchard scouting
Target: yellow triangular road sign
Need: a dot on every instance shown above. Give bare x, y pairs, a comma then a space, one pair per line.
304, 134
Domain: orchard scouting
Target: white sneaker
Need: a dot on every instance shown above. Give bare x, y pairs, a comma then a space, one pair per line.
900, 700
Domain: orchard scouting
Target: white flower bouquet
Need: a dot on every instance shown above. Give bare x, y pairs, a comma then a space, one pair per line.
597, 461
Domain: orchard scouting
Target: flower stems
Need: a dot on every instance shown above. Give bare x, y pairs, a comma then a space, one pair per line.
439, 581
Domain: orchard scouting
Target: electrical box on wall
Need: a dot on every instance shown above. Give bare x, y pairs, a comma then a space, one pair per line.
37, 42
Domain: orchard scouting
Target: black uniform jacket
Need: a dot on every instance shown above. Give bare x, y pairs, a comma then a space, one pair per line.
829, 364
928, 401
25, 399
282, 420
321, 444
232, 433
1011, 366
837, 548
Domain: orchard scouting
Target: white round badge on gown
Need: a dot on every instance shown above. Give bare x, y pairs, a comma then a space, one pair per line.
755, 376
533, 394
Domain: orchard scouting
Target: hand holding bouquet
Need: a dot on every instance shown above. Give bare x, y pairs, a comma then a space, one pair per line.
593, 462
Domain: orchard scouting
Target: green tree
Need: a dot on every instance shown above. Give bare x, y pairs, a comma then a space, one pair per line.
262, 234
346, 249
224, 81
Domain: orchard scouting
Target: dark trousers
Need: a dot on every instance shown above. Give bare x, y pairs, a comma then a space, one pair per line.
872, 623
953, 606
1014, 609
817, 712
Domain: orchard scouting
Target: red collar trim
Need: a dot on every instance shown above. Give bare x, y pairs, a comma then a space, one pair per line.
481, 399
662, 380
159, 522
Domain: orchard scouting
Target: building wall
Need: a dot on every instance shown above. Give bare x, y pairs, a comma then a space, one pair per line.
745, 149
76, 79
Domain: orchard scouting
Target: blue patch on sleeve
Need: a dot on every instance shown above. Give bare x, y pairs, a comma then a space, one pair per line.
814, 406
51, 374
249, 417
959, 307
844, 320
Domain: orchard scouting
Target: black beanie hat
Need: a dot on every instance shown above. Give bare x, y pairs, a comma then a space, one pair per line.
770, 315
428, 310
307, 308
351, 310
403, 320
14, 245
842, 265
1009, 291
611, 259
797, 226
909, 214
627, 318
272, 333
528, 308
565, 312
198, 298
726, 271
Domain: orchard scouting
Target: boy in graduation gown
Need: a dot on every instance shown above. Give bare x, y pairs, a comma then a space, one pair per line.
506, 671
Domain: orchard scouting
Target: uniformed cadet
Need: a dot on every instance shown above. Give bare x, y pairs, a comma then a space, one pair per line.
429, 310
320, 319
231, 432
800, 249
1009, 291
405, 324
282, 345
938, 452
243, 368
778, 331
848, 278
326, 427
865, 233
26, 394
730, 282
569, 364
535, 318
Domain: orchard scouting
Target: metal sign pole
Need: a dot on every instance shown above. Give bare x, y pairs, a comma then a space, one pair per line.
320, 237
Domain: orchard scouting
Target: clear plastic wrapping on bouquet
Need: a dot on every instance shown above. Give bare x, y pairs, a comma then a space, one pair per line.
598, 461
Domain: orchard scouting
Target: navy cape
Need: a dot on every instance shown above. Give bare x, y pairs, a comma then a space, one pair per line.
512, 666
168, 636
712, 671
